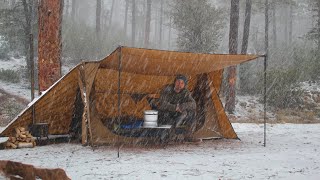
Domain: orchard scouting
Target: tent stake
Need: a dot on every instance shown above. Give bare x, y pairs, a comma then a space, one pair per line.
119, 98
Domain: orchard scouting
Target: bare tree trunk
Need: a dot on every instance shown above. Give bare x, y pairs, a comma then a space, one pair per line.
290, 22
233, 45
27, 8
245, 40
286, 25
98, 18
246, 29
73, 9
169, 38
318, 24
49, 42
111, 13
160, 28
148, 20
266, 27
66, 8
274, 25
126, 17
133, 31
143, 25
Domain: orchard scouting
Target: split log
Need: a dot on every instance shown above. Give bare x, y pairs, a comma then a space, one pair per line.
17, 130
22, 129
11, 145
22, 139
25, 145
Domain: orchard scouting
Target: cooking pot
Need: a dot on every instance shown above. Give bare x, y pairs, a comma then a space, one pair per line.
150, 118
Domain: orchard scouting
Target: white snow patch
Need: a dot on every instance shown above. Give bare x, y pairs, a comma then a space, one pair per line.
248, 108
292, 152
310, 86
20, 89
1, 129
13, 63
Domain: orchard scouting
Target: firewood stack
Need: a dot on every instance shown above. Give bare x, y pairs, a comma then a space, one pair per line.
23, 139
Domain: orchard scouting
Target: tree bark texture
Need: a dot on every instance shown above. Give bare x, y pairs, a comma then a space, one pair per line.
246, 29
233, 46
49, 45
148, 20
245, 39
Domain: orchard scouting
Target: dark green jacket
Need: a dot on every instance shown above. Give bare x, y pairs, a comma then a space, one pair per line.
169, 99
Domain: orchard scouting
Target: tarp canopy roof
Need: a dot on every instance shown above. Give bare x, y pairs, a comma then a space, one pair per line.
169, 63
131, 72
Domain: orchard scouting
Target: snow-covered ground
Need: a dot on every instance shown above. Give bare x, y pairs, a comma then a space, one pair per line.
292, 152
249, 109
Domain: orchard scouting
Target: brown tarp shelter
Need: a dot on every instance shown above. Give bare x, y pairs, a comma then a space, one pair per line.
94, 96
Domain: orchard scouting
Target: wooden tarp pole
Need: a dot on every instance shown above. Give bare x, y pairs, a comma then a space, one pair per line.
265, 100
266, 36
32, 76
84, 130
119, 97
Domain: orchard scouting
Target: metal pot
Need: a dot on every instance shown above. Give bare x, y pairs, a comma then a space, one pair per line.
150, 116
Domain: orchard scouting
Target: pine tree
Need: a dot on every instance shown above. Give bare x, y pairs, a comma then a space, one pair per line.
198, 24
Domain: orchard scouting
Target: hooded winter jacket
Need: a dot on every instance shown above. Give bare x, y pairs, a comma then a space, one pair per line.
169, 99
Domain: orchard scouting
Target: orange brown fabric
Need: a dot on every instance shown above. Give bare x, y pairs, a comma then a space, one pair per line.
143, 73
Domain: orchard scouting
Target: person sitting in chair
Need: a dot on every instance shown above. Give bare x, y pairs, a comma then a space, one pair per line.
176, 106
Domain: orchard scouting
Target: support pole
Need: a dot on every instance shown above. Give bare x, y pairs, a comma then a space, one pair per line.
266, 36
265, 101
31, 59
119, 97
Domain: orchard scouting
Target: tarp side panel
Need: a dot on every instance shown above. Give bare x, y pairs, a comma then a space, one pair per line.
211, 128
216, 78
84, 127
227, 130
90, 71
170, 63
111, 59
57, 106
206, 116
54, 107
